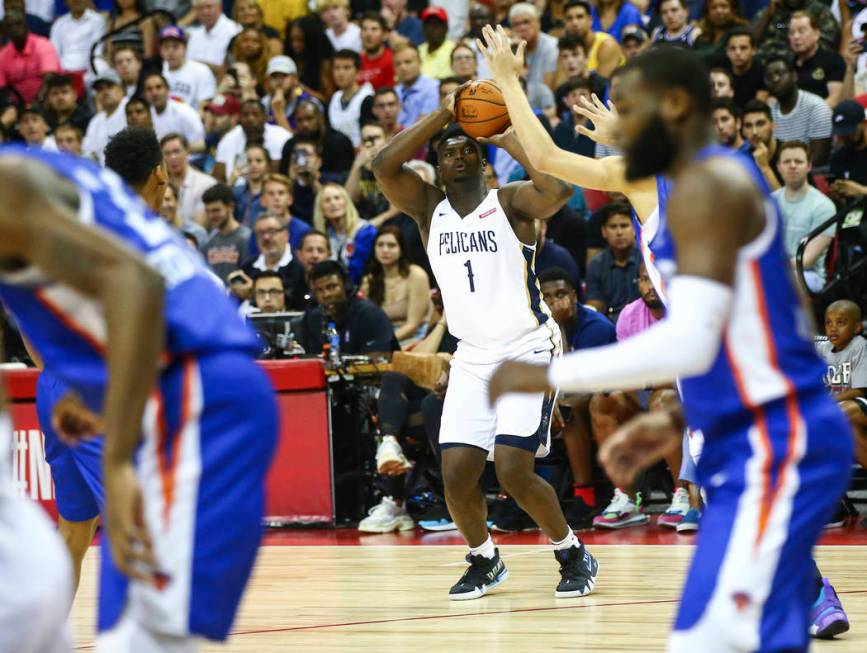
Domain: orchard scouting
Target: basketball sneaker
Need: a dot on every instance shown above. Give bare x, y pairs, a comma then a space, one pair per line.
827, 617
622, 512
578, 514
482, 575
507, 517
385, 517
437, 518
578, 570
676, 511
390, 459
689, 523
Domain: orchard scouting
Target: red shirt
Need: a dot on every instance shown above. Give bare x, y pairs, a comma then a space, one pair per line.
24, 70
862, 100
379, 72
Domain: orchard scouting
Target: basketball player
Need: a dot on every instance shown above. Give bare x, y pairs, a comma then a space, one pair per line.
738, 338
125, 315
481, 249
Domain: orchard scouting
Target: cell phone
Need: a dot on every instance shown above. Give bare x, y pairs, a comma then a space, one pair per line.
300, 158
237, 279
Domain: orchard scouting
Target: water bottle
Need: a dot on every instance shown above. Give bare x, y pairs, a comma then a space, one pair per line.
333, 340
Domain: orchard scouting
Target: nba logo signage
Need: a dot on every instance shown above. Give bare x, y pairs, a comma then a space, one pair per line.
31, 473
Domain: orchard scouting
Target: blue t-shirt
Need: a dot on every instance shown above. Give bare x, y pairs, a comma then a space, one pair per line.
591, 329
557, 256
628, 15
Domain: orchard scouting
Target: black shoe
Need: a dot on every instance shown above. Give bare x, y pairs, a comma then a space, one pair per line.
578, 571
482, 575
578, 514
839, 517
506, 516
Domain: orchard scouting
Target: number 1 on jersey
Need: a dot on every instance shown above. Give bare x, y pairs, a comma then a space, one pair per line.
469, 266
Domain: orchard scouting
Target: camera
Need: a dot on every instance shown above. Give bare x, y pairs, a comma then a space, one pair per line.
300, 158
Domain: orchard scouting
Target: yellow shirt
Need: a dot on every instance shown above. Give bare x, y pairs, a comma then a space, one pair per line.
439, 64
278, 13
598, 39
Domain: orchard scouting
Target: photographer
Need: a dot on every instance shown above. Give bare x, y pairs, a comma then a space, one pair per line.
335, 148
304, 170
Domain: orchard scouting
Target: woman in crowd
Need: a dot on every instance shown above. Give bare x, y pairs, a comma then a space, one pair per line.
251, 47
169, 213
464, 64
248, 13
400, 288
612, 16
351, 238
310, 49
719, 16
247, 181
141, 34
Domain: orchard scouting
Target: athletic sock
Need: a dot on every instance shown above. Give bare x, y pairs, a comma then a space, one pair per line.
485, 549
587, 493
567, 542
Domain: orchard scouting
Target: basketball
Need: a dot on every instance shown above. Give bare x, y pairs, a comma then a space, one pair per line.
480, 109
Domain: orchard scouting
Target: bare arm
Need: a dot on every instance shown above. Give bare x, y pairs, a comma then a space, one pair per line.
419, 302
814, 250
353, 181
820, 151
609, 56
835, 94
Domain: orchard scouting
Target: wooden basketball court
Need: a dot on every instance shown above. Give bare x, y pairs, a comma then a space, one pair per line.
369, 596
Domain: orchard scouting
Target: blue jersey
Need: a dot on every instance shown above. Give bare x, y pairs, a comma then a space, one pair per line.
767, 354
69, 329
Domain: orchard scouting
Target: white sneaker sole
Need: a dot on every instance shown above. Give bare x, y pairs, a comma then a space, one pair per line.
637, 520
578, 593
479, 592
394, 525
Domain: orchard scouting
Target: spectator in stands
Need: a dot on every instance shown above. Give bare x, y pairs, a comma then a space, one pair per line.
722, 84
565, 134
676, 28
541, 51
68, 138
169, 212
612, 16
419, 95
747, 73
343, 34
333, 147
277, 198
448, 85
308, 45
344, 108
110, 120
465, 66
170, 116
551, 255
74, 33
399, 287
634, 41
436, 51
361, 184
228, 245
219, 116
728, 122
386, 109
62, 105
190, 182
845, 354
351, 237
820, 71
248, 13
26, 58
250, 47
305, 172
34, 130
571, 59
603, 54
315, 248
407, 26
279, 13
140, 37
284, 91
127, 62
377, 62
718, 17
803, 208
611, 274
269, 295
798, 114
849, 160
138, 112
772, 25
208, 42
191, 81
230, 151
758, 129
247, 187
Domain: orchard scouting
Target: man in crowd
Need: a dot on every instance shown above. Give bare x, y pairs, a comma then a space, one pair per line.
61, 103
551, 255
803, 208
362, 186
849, 160
170, 116
26, 58
228, 245
230, 151
377, 63
277, 198
219, 117
436, 51
305, 173
541, 52
191, 81
611, 274
335, 148
603, 52
798, 114
419, 95
138, 112
341, 32
315, 247
633, 41
68, 139
190, 182
820, 71
344, 108
728, 121
748, 75
386, 109
110, 120
269, 295
126, 61
758, 129
565, 133
284, 91
34, 130
74, 34
722, 84
772, 25
209, 40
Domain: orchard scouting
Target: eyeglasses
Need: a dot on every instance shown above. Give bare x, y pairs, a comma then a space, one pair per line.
268, 292
463, 57
261, 233
371, 140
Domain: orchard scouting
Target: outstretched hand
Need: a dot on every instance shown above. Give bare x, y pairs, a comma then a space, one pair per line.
504, 140
73, 420
497, 51
639, 444
604, 119
513, 376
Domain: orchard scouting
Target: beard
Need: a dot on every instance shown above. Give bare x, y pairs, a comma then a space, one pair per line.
651, 153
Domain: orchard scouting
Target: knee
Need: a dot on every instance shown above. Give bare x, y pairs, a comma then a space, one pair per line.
512, 475
77, 536
458, 479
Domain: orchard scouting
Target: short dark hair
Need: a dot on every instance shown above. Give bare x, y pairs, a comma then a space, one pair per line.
738, 30
385, 90
578, 3
120, 47
154, 73
757, 106
138, 99
682, 3
253, 102
175, 136
329, 269
571, 42
58, 80
555, 274
346, 53
668, 68
313, 104
376, 17
314, 233
218, 193
727, 104
787, 59
268, 274
574, 82
722, 71
456, 131
795, 145
133, 153
615, 208
451, 80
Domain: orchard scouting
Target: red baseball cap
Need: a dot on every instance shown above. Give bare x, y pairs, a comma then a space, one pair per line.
435, 12
224, 105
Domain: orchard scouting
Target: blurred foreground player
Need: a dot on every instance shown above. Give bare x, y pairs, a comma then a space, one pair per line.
739, 340
125, 315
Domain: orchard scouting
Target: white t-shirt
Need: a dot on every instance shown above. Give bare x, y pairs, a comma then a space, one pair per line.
810, 120
210, 46
345, 118
73, 38
100, 129
179, 118
190, 193
349, 40
193, 82
230, 149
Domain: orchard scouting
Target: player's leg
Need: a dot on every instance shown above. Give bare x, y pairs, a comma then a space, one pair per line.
827, 616
689, 475
77, 535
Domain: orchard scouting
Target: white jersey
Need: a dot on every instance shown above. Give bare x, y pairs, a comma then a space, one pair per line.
488, 282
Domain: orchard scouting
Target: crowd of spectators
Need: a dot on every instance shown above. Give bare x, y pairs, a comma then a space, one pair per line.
270, 112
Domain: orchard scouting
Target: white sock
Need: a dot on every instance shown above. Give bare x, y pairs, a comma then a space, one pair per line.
567, 542
486, 549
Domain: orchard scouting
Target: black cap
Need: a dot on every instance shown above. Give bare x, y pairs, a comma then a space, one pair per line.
847, 116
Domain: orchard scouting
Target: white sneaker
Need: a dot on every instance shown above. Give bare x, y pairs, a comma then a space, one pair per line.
386, 517
621, 512
676, 511
390, 459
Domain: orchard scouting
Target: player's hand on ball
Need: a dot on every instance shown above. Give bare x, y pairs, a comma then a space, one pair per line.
450, 99
638, 444
129, 540
604, 119
513, 376
73, 420
497, 51
505, 140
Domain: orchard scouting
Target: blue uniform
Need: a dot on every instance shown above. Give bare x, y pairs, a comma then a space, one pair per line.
208, 430
776, 457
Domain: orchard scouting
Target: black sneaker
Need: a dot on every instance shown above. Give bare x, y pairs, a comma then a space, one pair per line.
482, 575
578, 514
506, 516
839, 517
578, 571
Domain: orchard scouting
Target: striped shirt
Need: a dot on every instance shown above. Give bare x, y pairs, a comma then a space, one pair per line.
810, 120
